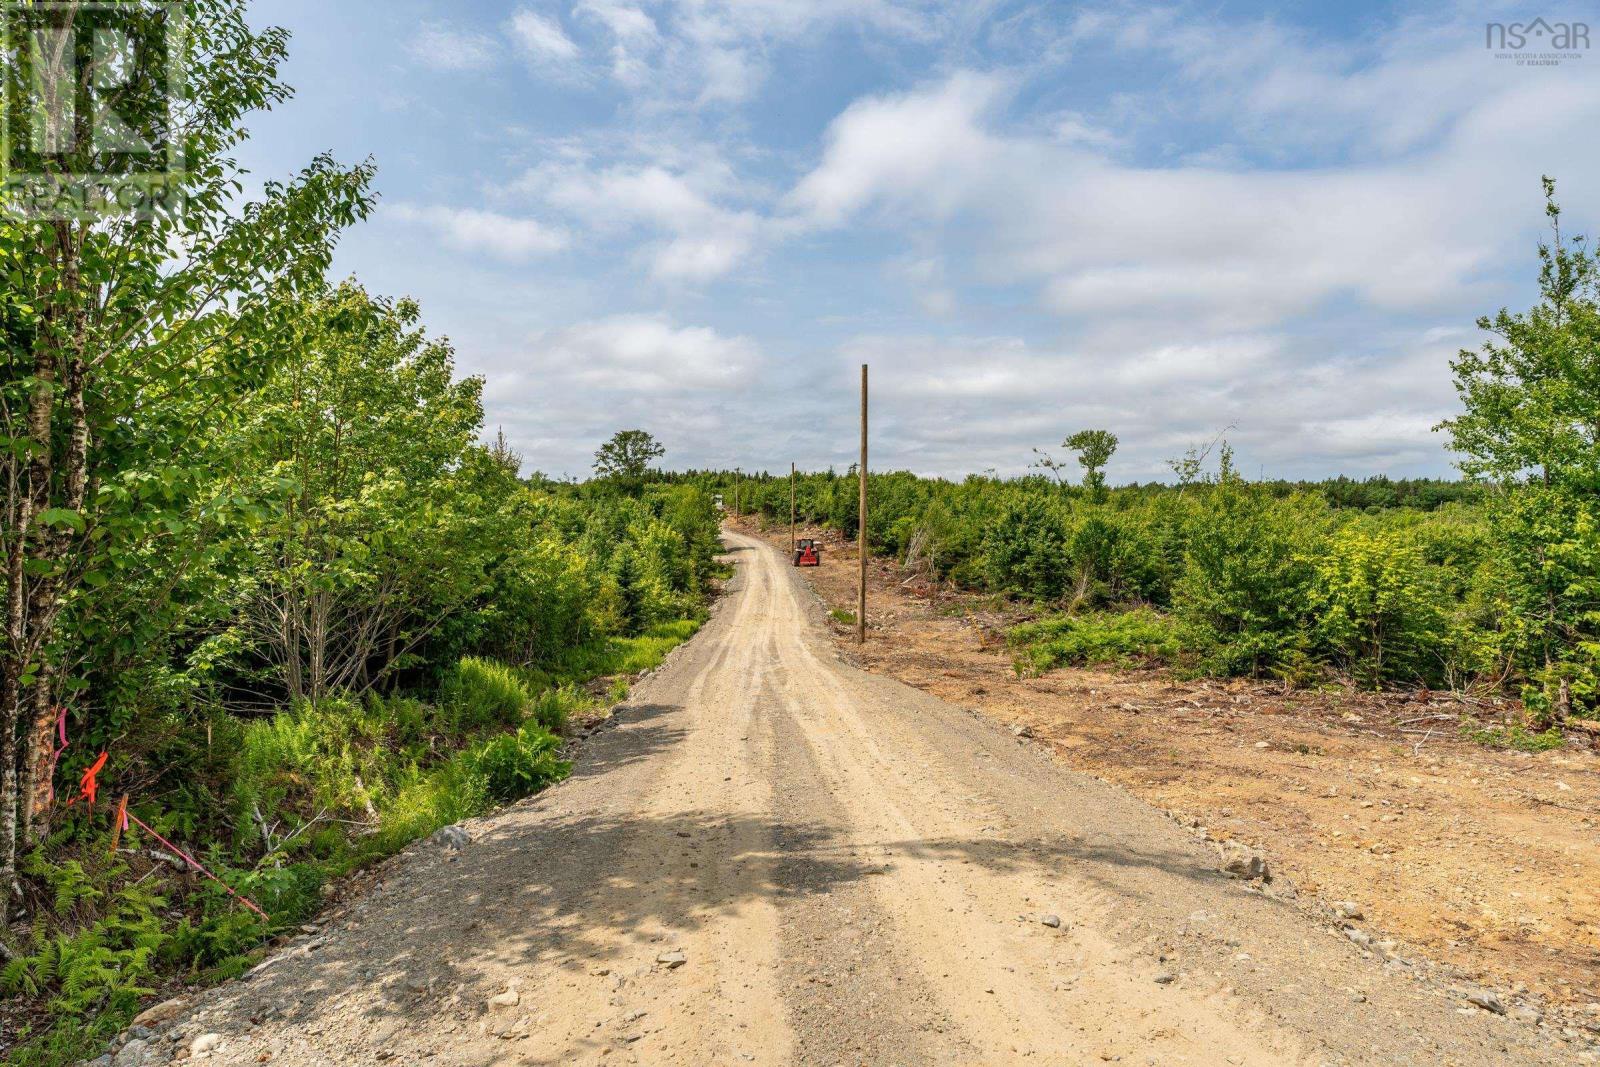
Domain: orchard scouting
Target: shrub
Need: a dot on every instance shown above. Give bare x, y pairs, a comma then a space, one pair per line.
1025, 550
552, 708
541, 602
516, 765
1114, 558
1246, 578
324, 756
1124, 638
1378, 608
103, 966
1515, 736
425, 801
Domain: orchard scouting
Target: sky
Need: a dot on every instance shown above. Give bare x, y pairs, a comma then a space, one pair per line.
699, 217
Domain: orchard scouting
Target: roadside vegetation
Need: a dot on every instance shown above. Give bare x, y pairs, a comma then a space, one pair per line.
1486, 584
266, 584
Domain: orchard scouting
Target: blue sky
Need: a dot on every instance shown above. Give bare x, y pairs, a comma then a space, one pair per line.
699, 216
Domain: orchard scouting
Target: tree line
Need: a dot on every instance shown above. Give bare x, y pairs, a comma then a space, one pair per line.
1488, 583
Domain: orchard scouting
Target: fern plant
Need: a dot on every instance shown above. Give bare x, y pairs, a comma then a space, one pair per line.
104, 964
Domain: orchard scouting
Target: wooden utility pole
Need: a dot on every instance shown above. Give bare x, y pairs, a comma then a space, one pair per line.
791, 509
861, 597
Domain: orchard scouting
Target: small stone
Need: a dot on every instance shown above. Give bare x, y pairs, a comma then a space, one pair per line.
1241, 861
1348, 909
204, 1043
450, 837
160, 1013
1488, 1000
130, 1055
1166, 978
672, 960
1052, 921
1262, 744
1359, 937
509, 999
1022, 731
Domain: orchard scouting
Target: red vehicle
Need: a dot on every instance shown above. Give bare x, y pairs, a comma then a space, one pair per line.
807, 553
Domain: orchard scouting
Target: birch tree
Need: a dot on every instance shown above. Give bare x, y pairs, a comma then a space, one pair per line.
127, 337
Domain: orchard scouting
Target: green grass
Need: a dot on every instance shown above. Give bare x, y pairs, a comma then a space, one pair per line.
843, 617
1122, 638
612, 655
1515, 736
68, 1040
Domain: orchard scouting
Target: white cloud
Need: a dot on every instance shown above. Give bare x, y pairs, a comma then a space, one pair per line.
696, 53
442, 47
471, 230
693, 238
924, 150
951, 405
1253, 226
633, 33
646, 354
1212, 248
541, 38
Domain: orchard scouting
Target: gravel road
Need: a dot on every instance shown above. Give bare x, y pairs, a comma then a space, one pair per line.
774, 858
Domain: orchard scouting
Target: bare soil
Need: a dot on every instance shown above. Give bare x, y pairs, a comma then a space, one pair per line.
1485, 860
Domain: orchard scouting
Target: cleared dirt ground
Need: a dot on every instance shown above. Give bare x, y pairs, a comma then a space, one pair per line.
1485, 861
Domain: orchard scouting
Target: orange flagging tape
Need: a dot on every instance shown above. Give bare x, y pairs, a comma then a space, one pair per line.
89, 787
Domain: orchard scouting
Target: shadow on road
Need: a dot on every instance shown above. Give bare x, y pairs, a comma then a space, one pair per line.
559, 895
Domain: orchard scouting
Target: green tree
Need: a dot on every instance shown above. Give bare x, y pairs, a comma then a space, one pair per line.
383, 526
1246, 576
1025, 549
1531, 422
106, 320
627, 457
1378, 606
1532, 395
1095, 449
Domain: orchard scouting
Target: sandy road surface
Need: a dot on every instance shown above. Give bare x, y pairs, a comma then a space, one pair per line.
853, 872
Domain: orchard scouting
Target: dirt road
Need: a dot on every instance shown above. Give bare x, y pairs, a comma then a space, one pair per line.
773, 858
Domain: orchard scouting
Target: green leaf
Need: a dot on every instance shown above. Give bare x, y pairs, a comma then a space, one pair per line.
62, 517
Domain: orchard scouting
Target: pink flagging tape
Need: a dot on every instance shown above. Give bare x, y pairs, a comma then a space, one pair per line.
61, 732
246, 901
